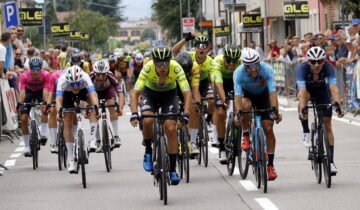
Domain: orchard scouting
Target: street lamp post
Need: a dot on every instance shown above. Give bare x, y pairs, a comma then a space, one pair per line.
44, 23
181, 31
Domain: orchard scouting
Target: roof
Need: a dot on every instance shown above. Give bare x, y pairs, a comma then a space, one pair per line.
62, 15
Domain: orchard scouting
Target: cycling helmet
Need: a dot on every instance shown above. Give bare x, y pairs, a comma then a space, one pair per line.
316, 53
101, 67
35, 64
232, 51
121, 58
201, 40
75, 59
161, 53
185, 60
111, 59
250, 56
139, 58
73, 74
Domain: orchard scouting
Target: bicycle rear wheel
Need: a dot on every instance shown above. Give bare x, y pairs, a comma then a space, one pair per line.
82, 156
326, 157
243, 157
106, 146
318, 150
229, 146
314, 154
34, 143
163, 169
204, 142
186, 154
180, 156
263, 166
60, 145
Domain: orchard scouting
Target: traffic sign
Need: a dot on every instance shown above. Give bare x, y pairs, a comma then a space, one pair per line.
11, 14
188, 25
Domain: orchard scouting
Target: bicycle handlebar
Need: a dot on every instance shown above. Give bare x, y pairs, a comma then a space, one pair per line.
77, 110
161, 115
258, 111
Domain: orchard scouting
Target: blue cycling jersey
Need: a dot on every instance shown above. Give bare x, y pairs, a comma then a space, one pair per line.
305, 77
243, 80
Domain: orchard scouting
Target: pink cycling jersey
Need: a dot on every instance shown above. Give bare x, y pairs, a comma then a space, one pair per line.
27, 82
52, 81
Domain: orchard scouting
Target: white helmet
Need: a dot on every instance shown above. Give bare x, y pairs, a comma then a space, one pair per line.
139, 58
73, 74
316, 53
101, 67
249, 56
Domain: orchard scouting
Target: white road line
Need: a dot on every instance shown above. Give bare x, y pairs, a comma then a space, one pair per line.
248, 185
21, 143
287, 109
15, 155
214, 150
9, 163
19, 149
266, 204
347, 121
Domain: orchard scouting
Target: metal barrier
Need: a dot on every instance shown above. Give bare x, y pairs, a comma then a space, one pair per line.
285, 77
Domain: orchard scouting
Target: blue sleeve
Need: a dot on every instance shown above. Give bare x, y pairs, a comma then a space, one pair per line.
237, 82
300, 75
271, 83
91, 89
59, 93
331, 73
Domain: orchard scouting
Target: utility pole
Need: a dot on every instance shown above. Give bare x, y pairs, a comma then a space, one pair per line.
265, 25
181, 30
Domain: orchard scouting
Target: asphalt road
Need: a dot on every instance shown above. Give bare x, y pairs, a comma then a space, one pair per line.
128, 186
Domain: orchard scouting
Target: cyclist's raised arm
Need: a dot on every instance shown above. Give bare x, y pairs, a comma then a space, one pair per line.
177, 47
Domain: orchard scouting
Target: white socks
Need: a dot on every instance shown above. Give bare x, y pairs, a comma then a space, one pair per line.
53, 134
70, 154
215, 133
43, 129
193, 134
93, 131
115, 126
26, 140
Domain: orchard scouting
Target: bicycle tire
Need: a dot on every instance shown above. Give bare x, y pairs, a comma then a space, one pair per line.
243, 157
314, 155
326, 157
181, 154
106, 146
205, 142
256, 159
82, 156
186, 153
33, 143
263, 165
200, 145
59, 142
163, 169
318, 151
229, 145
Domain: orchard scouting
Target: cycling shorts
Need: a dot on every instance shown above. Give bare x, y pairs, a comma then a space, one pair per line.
108, 93
261, 101
153, 100
69, 98
205, 88
228, 85
321, 96
31, 96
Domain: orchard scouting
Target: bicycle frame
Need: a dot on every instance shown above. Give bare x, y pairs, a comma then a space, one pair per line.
257, 125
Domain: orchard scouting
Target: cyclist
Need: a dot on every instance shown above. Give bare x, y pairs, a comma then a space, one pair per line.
135, 67
112, 63
254, 86
108, 88
157, 84
71, 84
316, 80
191, 69
222, 75
205, 63
33, 86
76, 60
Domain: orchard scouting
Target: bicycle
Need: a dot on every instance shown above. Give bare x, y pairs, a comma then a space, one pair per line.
184, 150
319, 152
257, 154
106, 131
35, 116
80, 146
159, 154
232, 136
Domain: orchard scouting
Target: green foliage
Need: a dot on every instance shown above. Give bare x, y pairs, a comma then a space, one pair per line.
167, 14
352, 6
147, 34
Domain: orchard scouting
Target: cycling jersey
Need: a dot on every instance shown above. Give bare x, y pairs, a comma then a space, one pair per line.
149, 78
220, 71
136, 67
111, 81
53, 80
113, 66
122, 66
205, 67
305, 77
83, 65
63, 85
27, 82
243, 80
193, 77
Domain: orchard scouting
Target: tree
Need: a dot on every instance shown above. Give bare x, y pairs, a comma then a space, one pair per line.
99, 26
167, 14
148, 33
352, 6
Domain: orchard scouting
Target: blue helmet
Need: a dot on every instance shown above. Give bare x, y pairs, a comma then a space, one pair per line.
35, 64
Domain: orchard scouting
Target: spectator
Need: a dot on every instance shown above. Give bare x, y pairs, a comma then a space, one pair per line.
275, 50
18, 61
327, 35
55, 60
87, 58
32, 52
308, 37
330, 56
68, 54
352, 52
21, 41
304, 48
284, 57
258, 49
341, 51
5, 40
295, 43
320, 41
268, 50
62, 58
9, 59
220, 49
296, 56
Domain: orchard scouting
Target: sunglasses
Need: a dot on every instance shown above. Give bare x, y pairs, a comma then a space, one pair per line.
252, 66
20, 30
75, 84
17, 54
35, 68
318, 61
231, 61
162, 63
202, 46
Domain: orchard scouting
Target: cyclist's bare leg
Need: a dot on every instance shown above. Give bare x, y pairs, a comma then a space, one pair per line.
245, 117
24, 124
68, 123
329, 131
219, 120
269, 133
147, 130
170, 132
53, 125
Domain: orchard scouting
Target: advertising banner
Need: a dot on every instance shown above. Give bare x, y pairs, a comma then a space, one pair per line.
31, 16
296, 9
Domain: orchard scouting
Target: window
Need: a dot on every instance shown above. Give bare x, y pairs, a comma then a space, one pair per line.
124, 33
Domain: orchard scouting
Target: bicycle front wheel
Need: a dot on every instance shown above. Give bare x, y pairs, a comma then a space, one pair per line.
180, 156
106, 146
326, 157
186, 154
163, 169
205, 142
60, 145
82, 156
262, 166
229, 146
34, 141
243, 157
